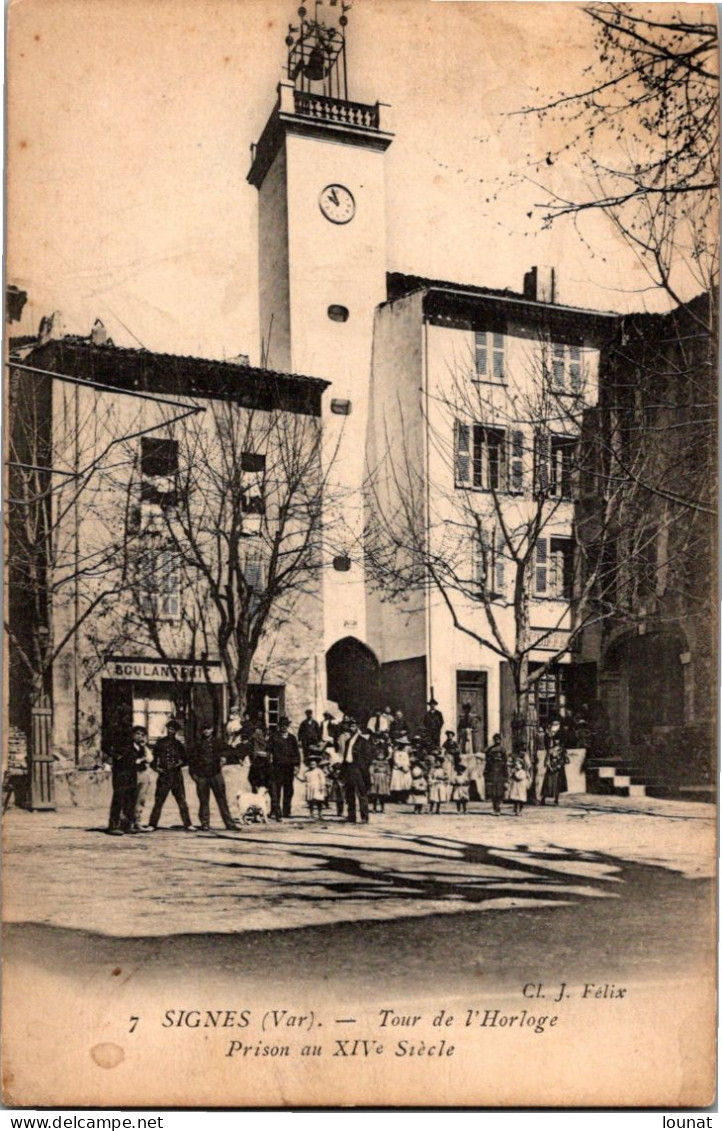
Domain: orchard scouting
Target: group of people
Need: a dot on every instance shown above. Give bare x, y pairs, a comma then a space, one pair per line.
340, 766
136, 768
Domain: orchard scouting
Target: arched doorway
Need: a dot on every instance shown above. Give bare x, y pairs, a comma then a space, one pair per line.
353, 677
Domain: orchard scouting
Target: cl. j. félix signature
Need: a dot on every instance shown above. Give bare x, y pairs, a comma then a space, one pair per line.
607, 990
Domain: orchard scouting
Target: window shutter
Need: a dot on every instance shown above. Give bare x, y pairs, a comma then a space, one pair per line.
481, 354
575, 368
499, 563
540, 570
462, 452
498, 356
169, 586
516, 462
253, 573
558, 367
541, 462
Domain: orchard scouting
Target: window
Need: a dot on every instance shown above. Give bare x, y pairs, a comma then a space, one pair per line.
554, 461
253, 461
489, 563
158, 457
567, 368
554, 568
562, 453
481, 456
158, 487
253, 466
159, 588
489, 356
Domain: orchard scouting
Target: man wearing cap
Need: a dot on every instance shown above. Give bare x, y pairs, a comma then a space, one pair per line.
309, 733
357, 756
285, 760
433, 724
169, 757
124, 761
205, 764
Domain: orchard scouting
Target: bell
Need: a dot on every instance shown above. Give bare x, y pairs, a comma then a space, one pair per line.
315, 68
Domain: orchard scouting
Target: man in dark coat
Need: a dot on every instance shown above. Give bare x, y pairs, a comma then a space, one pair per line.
169, 757
357, 757
124, 760
309, 733
205, 764
433, 724
495, 773
285, 760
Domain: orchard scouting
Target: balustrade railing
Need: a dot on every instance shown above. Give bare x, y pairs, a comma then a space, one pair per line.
336, 110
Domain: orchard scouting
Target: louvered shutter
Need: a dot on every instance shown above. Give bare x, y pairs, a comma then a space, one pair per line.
516, 462
558, 367
498, 356
462, 452
541, 462
499, 563
481, 354
170, 586
575, 369
540, 567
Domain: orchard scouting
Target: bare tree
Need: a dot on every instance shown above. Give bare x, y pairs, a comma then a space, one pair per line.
523, 521
226, 536
639, 134
58, 580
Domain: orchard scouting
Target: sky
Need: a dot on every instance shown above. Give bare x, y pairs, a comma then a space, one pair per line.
128, 145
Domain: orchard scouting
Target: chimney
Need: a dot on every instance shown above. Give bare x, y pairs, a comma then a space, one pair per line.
540, 284
52, 327
99, 334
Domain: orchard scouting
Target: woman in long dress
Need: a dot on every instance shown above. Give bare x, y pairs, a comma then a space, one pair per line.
555, 776
495, 773
400, 783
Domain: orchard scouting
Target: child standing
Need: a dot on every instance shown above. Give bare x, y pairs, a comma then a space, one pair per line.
460, 786
315, 784
419, 787
519, 771
438, 785
380, 774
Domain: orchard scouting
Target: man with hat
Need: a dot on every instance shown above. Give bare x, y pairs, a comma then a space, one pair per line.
285, 760
169, 757
357, 756
309, 733
124, 761
205, 765
433, 724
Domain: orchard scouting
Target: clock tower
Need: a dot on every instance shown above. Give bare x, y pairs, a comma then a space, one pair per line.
319, 170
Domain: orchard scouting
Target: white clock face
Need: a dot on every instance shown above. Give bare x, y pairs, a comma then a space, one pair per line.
337, 204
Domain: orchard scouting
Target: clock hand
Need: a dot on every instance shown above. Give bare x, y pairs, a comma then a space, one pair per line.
333, 196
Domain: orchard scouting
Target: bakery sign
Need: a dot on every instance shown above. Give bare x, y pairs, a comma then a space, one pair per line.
174, 672
552, 640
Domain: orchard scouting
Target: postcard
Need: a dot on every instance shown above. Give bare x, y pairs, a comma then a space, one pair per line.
360, 495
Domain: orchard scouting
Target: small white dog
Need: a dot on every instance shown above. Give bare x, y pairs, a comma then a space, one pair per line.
253, 808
